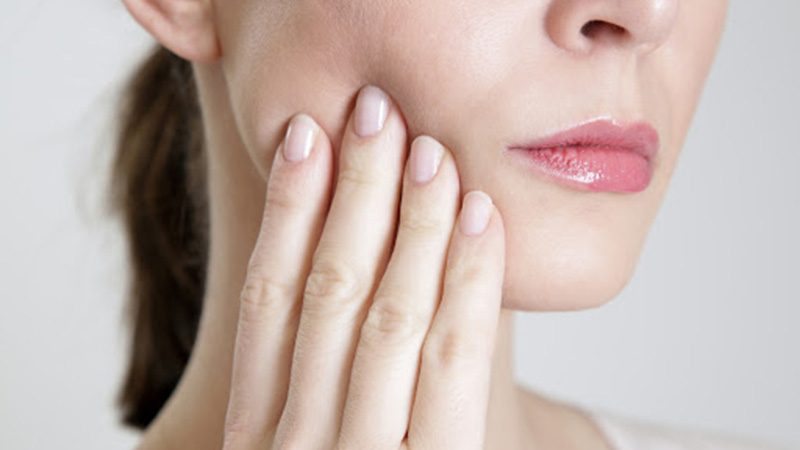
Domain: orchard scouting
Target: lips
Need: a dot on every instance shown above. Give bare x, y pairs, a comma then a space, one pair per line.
600, 155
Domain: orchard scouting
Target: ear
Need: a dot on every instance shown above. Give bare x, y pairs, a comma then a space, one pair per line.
185, 27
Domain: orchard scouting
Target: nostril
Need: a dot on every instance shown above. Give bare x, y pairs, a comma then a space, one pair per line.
594, 28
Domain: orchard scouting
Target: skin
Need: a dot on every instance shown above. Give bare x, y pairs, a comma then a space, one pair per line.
476, 78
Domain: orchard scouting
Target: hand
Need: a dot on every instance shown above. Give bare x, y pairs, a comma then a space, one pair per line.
359, 329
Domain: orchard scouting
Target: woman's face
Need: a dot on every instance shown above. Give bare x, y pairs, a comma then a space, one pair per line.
479, 75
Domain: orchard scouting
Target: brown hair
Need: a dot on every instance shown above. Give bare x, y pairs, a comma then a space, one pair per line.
158, 192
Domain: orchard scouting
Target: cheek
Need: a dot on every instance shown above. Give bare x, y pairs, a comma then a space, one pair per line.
565, 250
281, 59
440, 63
274, 71
263, 109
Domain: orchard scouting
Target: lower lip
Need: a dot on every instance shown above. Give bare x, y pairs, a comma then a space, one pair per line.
590, 168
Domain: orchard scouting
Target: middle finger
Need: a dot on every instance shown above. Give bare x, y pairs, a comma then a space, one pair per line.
351, 255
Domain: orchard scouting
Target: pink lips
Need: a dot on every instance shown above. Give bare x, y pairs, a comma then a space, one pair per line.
600, 155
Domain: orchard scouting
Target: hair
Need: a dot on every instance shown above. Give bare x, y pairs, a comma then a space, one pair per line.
158, 191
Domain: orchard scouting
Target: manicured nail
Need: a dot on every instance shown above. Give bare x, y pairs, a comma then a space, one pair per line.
425, 159
475, 213
300, 138
372, 107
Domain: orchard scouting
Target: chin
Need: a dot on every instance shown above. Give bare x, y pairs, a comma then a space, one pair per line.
567, 273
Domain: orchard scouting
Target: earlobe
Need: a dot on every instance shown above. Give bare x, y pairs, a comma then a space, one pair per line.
185, 27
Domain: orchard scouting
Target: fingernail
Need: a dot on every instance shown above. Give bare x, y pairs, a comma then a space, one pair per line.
299, 138
425, 159
475, 213
372, 107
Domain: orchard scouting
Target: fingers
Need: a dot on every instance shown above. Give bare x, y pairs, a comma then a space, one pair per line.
307, 364
452, 392
385, 368
297, 198
352, 252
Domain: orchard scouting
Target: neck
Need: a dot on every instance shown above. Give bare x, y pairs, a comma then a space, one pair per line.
194, 416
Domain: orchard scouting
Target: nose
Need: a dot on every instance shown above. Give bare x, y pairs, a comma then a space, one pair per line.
585, 26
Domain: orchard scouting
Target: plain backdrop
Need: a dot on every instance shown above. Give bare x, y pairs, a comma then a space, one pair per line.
706, 334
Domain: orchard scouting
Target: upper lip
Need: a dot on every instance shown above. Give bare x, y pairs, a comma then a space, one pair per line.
639, 137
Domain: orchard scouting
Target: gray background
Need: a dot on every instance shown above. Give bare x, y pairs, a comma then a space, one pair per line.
705, 335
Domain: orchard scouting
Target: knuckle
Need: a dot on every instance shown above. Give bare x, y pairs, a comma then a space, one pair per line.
331, 284
454, 348
466, 270
421, 224
284, 197
391, 320
263, 294
356, 174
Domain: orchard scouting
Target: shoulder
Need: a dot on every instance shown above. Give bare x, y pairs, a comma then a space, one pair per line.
625, 433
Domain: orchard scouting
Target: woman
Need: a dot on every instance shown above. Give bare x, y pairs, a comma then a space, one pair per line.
357, 194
